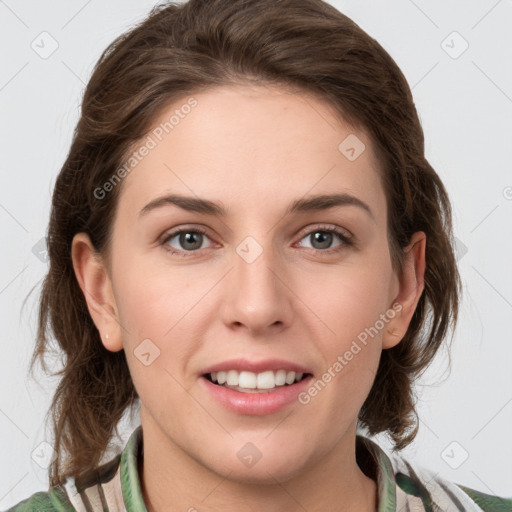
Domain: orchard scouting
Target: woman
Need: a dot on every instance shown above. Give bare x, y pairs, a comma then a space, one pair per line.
282, 143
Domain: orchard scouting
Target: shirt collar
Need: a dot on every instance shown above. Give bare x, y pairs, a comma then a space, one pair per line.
130, 483
366, 450
383, 470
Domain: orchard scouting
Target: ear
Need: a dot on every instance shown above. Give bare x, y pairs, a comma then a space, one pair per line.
410, 287
96, 286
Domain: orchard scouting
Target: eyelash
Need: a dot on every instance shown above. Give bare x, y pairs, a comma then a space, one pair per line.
347, 240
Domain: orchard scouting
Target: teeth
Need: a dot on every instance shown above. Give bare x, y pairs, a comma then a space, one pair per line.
251, 380
265, 380
280, 377
232, 378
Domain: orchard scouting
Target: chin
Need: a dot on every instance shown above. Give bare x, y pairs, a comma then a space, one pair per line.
279, 467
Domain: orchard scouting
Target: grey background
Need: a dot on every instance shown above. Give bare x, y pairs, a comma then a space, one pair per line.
465, 103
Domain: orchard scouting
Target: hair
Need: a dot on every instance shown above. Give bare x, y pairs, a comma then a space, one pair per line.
183, 48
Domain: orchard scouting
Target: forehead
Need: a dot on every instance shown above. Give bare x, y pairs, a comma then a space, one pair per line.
250, 147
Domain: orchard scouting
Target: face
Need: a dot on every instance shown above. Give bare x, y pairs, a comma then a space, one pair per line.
310, 285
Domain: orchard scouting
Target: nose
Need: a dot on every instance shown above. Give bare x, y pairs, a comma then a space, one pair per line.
257, 296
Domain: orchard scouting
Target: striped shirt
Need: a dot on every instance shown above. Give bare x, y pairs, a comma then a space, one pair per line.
402, 486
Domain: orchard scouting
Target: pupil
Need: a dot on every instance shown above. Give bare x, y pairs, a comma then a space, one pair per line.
189, 238
322, 237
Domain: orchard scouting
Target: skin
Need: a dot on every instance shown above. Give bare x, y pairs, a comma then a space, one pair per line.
254, 150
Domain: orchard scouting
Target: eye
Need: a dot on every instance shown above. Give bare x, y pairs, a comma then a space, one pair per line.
322, 237
188, 240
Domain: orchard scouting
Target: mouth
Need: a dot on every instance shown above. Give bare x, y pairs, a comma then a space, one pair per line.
255, 388
250, 382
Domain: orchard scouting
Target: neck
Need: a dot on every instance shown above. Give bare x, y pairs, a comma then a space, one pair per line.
172, 480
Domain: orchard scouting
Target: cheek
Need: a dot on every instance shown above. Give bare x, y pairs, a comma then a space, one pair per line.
151, 298
158, 310
349, 300
157, 316
353, 304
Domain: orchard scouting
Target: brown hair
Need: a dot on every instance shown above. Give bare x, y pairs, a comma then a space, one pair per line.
181, 49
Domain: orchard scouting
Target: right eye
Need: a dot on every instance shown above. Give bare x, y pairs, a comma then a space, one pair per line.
190, 240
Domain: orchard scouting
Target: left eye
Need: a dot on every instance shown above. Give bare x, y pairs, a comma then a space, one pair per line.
323, 238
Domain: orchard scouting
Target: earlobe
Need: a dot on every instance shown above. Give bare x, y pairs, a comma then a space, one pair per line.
96, 286
410, 288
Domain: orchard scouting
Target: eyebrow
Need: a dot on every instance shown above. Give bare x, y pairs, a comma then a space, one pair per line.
206, 207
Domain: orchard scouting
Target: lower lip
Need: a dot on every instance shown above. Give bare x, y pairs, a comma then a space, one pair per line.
256, 404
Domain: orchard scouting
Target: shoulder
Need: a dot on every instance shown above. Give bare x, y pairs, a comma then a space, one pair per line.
406, 485
488, 502
96, 491
53, 500
441, 494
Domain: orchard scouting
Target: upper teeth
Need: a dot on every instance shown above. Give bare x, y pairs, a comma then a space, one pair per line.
251, 380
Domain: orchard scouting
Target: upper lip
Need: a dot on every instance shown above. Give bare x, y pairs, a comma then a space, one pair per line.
259, 366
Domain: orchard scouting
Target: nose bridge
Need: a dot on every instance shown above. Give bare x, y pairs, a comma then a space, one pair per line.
258, 296
255, 268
